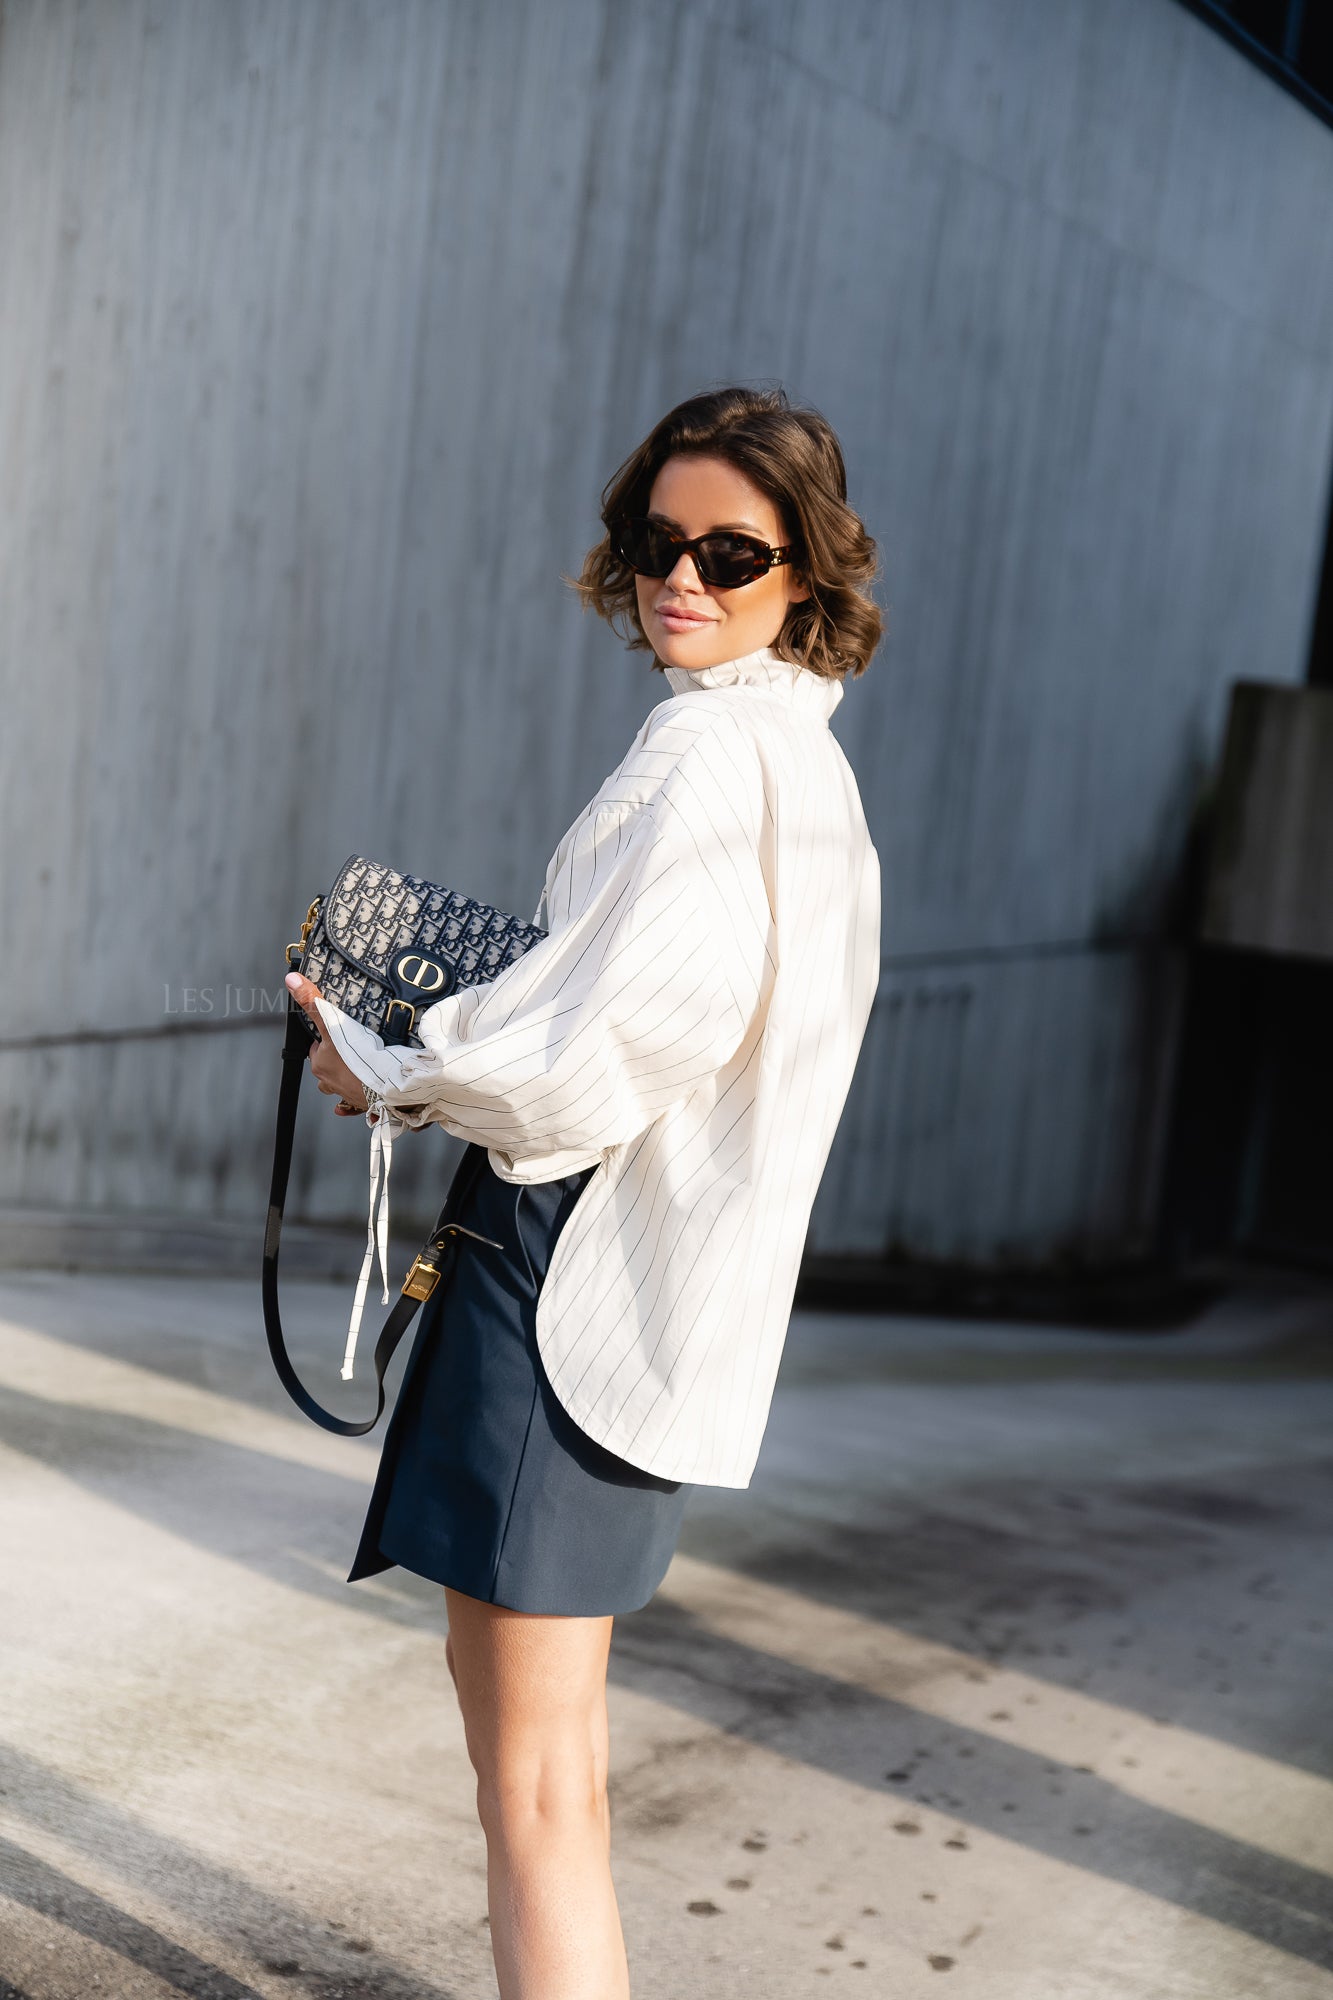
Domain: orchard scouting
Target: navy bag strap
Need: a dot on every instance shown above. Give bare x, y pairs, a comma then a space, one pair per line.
432, 1262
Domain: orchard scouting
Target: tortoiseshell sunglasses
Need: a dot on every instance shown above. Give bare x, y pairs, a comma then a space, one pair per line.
726, 558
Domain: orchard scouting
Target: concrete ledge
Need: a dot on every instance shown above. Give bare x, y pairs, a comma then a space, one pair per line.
141, 1240
1141, 1298
1128, 1298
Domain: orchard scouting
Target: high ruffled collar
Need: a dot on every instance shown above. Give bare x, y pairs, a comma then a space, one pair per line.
766, 671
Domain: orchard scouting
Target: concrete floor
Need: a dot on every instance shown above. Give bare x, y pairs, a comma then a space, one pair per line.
1009, 1675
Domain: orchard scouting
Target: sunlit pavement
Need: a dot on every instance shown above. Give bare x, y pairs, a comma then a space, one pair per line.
1009, 1675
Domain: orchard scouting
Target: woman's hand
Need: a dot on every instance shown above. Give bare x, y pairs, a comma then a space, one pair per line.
326, 1065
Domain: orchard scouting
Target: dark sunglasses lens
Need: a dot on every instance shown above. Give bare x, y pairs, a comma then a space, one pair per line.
646, 548
730, 560
723, 560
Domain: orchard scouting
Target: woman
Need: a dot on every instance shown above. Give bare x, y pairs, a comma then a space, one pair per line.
649, 1096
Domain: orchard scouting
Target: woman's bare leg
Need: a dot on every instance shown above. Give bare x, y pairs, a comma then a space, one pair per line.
532, 1690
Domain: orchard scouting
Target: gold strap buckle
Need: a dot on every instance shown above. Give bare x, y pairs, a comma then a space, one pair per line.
422, 1279
424, 1276
409, 1009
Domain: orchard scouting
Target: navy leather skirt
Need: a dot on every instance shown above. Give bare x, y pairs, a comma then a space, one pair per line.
486, 1482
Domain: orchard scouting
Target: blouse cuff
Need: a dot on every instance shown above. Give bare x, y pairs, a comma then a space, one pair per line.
390, 1071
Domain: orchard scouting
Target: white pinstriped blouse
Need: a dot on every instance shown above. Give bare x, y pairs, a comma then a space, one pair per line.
690, 1026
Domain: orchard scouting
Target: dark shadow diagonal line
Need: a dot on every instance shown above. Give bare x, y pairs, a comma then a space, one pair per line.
205, 1892
885, 1545
174, 1477
227, 1355
25, 1879
853, 1734
247, 1506
992, 1558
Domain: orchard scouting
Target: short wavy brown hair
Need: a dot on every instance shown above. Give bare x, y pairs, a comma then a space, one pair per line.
794, 457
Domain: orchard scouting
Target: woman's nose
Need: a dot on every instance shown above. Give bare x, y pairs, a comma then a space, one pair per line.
685, 578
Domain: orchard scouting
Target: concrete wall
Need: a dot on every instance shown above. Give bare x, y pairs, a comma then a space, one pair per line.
325, 324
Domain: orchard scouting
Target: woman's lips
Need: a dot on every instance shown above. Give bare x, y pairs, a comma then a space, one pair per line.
682, 621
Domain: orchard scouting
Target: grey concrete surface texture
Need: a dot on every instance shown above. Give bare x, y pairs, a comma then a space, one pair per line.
1006, 1679
325, 324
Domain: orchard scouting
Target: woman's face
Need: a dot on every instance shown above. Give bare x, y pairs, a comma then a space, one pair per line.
694, 496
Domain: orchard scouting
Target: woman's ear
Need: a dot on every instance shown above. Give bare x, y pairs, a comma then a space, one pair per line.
797, 588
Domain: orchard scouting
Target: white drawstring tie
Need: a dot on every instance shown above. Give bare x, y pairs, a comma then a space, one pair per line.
381, 1151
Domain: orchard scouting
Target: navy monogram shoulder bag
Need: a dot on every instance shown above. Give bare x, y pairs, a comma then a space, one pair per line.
382, 946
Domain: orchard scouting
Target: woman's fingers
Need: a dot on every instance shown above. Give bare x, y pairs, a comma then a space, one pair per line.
304, 991
327, 1067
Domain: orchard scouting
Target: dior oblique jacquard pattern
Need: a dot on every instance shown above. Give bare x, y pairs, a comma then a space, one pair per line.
374, 911
690, 1024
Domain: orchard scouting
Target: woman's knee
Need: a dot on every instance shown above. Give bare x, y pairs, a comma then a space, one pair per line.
544, 1762
532, 1786
533, 1695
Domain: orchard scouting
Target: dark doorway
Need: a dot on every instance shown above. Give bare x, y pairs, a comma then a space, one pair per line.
1250, 1165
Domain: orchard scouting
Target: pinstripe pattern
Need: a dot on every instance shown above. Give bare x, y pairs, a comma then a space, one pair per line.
691, 1022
